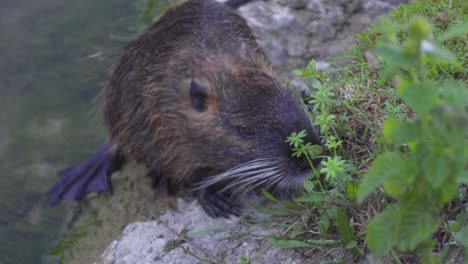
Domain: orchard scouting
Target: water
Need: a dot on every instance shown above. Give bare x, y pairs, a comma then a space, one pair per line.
47, 87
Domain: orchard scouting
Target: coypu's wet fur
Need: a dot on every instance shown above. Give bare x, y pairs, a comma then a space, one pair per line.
196, 100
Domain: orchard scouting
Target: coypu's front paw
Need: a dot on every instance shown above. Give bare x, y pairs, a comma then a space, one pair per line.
218, 204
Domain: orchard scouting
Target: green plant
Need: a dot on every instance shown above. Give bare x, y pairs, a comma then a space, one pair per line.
427, 163
350, 106
325, 201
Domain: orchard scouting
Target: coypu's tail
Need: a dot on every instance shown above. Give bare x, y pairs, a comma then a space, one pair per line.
91, 175
236, 3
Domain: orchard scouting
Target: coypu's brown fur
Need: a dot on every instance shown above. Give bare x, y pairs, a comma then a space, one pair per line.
196, 100
149, 105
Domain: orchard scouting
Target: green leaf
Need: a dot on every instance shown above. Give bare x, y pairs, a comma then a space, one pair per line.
274, 210
332, 212
462, 237
243, 260
308, 72
394, 58
419, 28
351, 244
389, 127
381, 231
291, 244
296, 230
407, 132
448, 190
312, 197
417, 223
438, 53
435, 168
400, 182
455, 31
291, 205
324, 224
387, 165
346, 232
309, 186
421, 96
269, 196
302, 134
298, 72
352, 190
314, 151
454, 226
455, 93
463, 177
323, 242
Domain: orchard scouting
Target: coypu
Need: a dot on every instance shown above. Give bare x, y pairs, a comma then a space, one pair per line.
195, 99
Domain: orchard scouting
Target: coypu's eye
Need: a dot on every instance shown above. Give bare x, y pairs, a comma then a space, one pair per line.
246, 132
198, 96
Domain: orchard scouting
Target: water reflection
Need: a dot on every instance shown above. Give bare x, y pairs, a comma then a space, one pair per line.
46, 90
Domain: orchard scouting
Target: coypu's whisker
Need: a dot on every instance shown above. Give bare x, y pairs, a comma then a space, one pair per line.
252, 187
229, 176
270, 182
268, 178
248, 180
246, 170
291, 184
276, 181
250, 167
258, 180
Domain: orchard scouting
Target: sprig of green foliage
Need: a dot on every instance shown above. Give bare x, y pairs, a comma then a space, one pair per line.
426, 173
325, 187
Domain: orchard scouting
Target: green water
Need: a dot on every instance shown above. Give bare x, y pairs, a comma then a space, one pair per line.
47, 87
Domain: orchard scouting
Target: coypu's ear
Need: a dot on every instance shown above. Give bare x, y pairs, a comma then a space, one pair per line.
198, 96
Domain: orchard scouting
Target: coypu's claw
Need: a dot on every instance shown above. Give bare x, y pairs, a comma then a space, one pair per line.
91, 175
218, 204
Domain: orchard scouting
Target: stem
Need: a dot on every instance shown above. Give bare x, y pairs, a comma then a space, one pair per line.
315, 172
395, 256
188, 251
260, 253
422, 68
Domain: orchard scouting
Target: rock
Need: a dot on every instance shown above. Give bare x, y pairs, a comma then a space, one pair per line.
295, 4
295, 31
150, 242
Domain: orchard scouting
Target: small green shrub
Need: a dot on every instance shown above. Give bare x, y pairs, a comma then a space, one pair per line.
328, 190
426, 162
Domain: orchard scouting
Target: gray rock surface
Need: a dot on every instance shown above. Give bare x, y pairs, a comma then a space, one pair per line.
146, 242
295, 31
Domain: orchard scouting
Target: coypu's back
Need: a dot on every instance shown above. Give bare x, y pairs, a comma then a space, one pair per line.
142, 102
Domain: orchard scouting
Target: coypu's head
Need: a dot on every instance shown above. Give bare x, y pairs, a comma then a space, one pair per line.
239, 117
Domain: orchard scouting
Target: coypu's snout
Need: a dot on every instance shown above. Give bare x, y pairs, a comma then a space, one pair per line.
296, 119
